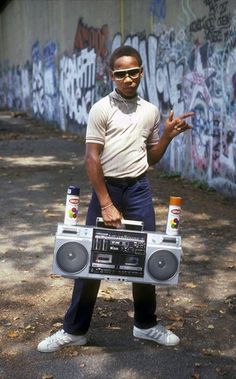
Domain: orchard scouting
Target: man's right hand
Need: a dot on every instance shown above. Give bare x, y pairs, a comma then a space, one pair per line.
111, 216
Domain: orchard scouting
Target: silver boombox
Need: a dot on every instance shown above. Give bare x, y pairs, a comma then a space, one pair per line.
127, 254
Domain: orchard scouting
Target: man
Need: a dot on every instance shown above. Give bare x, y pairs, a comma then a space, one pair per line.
122, 141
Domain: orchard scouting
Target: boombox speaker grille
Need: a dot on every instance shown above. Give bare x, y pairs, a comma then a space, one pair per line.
72, 257
162, 265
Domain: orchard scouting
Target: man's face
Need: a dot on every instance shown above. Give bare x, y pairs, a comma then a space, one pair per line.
128, 81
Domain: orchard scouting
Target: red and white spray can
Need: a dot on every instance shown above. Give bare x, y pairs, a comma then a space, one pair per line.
72, 205
174, 213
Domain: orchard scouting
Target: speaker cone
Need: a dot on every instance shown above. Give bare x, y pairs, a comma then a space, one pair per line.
72, 257
162, 265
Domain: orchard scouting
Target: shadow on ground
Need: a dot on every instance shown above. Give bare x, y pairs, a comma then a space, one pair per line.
38, 163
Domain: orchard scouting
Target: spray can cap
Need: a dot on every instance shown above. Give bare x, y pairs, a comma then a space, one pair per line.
73, 190
175, 200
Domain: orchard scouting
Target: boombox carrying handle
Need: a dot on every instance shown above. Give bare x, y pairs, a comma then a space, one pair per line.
125, 224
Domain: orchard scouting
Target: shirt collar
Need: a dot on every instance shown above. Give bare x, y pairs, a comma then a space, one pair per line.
134, 100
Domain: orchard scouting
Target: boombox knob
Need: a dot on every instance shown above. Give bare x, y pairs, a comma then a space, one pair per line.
72, 257
162, 265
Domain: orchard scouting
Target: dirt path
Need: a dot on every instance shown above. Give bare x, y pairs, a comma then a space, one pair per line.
37, 163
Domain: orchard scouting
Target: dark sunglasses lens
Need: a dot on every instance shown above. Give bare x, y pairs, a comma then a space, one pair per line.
134, 73
120, 74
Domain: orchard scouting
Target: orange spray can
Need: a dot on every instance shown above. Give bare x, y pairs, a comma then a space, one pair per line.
174, 213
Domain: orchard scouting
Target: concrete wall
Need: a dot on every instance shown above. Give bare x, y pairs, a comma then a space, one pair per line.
53, 63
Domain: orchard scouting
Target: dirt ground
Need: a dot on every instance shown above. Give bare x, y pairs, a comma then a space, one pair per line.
37, 163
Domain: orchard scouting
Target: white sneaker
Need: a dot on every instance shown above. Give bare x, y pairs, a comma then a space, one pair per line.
60, 339
157, 334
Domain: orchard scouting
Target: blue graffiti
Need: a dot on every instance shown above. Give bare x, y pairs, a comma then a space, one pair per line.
158, 9
50, 82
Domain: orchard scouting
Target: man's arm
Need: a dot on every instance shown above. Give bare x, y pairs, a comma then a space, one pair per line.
110, 214
173, 127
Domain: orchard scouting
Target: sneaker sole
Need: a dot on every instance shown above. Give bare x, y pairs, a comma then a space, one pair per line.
136, 335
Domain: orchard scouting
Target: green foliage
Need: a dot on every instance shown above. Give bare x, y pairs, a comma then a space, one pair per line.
202, 185
170, 175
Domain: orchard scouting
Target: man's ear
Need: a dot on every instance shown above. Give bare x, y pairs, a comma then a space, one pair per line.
142, 71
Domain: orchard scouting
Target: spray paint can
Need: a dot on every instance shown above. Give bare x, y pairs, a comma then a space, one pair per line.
72, 205
174, 213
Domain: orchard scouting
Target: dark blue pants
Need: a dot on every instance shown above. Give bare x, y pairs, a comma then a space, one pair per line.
135, 203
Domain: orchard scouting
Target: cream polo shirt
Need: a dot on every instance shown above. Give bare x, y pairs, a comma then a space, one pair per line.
125, 127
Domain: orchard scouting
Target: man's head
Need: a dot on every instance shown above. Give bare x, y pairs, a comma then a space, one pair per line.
126, 70
127, 51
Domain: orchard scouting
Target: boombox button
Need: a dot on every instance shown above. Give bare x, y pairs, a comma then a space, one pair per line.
169, 240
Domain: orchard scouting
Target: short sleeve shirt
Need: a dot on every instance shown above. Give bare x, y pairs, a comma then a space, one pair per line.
125, 128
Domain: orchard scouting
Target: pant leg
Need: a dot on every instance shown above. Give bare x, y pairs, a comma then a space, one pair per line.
144, 305
138, 205
79, 314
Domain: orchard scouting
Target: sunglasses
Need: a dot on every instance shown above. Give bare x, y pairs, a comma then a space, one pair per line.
133, 73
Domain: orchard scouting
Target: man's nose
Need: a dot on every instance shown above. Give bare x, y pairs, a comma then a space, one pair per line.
127, 78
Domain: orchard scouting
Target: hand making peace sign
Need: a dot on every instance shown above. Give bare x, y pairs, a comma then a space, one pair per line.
176, 125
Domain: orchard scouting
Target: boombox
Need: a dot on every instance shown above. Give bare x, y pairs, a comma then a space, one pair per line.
127, 254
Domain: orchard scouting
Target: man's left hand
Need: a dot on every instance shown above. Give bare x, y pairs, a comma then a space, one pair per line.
176, 125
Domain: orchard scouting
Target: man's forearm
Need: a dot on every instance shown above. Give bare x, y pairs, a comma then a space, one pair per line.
109, 212
96, 177
173, 127
156, 152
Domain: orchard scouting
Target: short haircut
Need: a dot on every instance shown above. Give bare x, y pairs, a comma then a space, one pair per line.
124, 51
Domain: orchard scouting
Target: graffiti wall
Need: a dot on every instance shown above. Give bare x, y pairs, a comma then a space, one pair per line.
188, 66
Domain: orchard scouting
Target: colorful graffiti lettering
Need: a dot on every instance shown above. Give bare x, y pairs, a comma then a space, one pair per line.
49, 79
77, 86
91, 38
